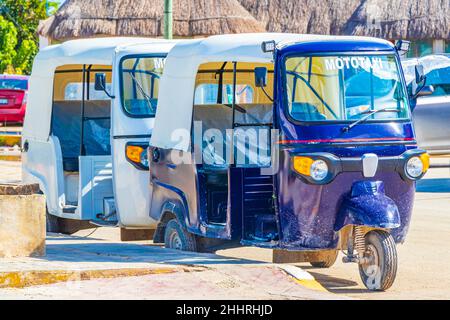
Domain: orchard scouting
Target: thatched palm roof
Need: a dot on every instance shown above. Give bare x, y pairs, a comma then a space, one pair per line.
393, 19
302, 16
87, 18
408, 19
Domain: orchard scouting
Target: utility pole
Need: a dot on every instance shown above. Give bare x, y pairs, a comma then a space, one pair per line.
168, 19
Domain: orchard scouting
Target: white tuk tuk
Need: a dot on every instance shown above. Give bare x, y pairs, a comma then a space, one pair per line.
90, 116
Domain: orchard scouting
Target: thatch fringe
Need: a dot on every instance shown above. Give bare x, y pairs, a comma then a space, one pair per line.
393, 19
396, 19
84, 18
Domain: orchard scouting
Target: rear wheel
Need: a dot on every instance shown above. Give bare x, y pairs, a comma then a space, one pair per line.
328, 260
52, 223
56, 224
177, 237
379, 266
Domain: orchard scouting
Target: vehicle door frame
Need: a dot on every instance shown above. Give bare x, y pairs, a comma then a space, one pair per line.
129, 190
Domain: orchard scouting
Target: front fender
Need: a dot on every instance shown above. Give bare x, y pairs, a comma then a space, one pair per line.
166, 198
368, 205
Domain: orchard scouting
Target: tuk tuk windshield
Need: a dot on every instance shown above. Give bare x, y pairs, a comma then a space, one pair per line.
140, 76
340, 88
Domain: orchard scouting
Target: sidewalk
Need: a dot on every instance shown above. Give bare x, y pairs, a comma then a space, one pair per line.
88, 268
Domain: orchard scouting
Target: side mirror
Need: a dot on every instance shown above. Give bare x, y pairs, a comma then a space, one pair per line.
426, 91
100, 84
420, 75
261, 77
421, 80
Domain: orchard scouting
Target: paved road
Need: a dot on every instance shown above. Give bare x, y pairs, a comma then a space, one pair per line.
144, 271
424, 259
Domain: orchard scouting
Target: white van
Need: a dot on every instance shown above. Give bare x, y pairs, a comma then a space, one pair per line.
90, 116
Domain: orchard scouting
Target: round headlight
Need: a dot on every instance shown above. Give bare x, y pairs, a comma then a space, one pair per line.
319, 170
414, 167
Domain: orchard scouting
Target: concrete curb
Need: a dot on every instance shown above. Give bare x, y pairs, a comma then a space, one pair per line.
22, 279
303, 277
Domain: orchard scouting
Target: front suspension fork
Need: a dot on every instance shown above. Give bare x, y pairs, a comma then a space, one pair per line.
356, 246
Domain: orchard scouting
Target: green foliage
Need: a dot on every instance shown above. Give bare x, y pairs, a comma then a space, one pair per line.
25, 54
8, 42
18, 32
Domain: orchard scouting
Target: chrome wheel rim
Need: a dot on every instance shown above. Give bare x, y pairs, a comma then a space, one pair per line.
175, 241
371, 264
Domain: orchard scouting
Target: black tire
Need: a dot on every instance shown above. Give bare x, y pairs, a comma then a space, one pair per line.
52, 223
56, 224
379, 274
330, 259
177, 237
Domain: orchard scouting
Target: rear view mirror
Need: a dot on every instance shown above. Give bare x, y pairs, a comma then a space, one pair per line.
261, 77
100, 82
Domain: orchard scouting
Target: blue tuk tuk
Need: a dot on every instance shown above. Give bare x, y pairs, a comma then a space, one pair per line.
286, 141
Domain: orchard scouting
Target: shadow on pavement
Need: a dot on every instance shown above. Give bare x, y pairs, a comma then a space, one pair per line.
88, 251
438, 185
336, 285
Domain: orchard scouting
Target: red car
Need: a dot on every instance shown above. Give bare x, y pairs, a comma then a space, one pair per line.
13, 98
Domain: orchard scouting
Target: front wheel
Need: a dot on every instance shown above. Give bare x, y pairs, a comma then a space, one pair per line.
177, 237
379, 265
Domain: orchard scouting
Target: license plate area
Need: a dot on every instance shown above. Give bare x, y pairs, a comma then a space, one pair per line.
3, 101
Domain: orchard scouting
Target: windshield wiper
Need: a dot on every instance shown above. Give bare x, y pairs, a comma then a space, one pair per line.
365, 118
141, 89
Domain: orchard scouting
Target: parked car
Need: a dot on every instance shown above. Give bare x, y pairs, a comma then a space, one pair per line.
13, 98
431, 113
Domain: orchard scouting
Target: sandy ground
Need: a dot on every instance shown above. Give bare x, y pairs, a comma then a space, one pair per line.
423, 260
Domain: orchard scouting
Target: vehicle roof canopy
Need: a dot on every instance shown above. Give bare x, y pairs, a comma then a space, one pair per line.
184, 60
97, 51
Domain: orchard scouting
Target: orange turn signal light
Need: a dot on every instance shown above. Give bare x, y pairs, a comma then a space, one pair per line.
303, 165
134, 153
425, 158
